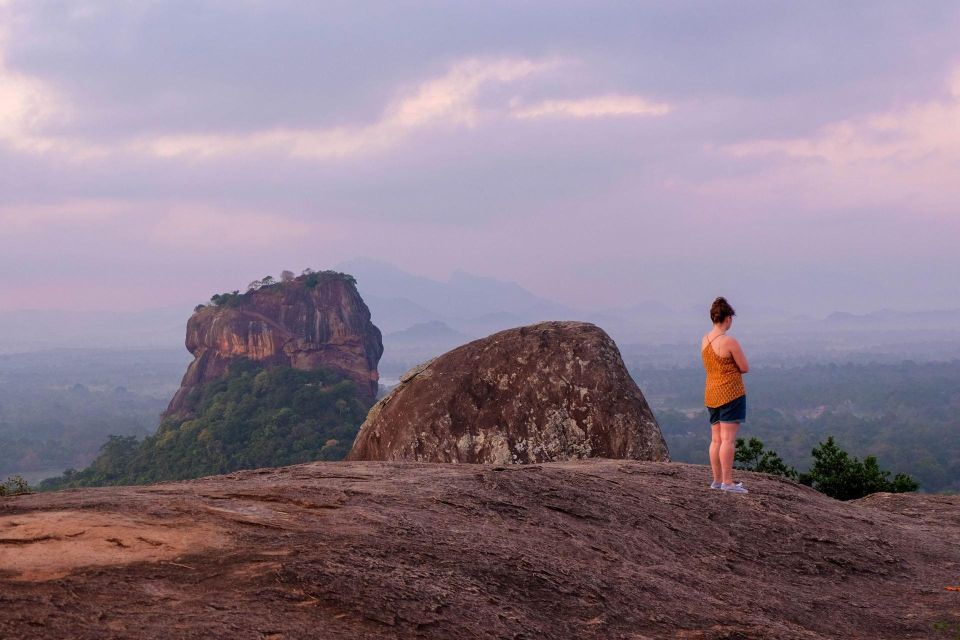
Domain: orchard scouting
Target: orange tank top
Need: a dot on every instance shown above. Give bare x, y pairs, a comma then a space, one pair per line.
724, 380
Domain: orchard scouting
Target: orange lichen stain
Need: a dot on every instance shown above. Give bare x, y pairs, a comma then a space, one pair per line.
51, 544
952, 588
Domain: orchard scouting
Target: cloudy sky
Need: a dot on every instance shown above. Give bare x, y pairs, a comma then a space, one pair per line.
797, 155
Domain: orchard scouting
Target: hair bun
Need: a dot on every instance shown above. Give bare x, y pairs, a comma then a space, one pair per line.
720, 310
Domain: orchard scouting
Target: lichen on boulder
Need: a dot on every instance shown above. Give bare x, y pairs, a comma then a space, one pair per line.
545, 392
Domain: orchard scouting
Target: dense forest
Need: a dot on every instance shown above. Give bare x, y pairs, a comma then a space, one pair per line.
67, 427
907, 415
252, 417
57, 407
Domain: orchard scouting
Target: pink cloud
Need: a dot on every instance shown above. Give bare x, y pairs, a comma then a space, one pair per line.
904, 157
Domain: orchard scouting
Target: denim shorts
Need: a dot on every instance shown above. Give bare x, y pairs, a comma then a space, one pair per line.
733, 411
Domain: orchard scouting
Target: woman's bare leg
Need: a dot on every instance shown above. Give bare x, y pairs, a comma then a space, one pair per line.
728, 446
715, 452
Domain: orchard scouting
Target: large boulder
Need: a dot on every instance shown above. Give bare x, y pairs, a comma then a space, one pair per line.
314, 321
549, 391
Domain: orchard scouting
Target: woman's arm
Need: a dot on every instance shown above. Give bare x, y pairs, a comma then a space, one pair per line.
738, 356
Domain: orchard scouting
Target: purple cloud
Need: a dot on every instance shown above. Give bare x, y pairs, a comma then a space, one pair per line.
592, 151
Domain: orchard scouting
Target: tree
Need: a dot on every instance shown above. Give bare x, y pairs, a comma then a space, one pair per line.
286, 276
253, 286
751, 456
267, 281
226, 299
14, 486
903, 483
839, 475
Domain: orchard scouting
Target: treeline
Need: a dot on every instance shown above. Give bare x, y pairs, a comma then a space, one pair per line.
308, 277
252, 417
906, 415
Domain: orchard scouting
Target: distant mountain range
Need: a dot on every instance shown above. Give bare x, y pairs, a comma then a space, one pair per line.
467, 302
421, 317
889, 318
429, 333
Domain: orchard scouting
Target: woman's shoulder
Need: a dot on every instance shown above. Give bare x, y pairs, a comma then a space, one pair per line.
730, 341
723, 345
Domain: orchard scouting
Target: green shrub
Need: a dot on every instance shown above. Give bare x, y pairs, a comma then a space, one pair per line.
841, 476
231, 299
751, 456
14, 486
312, 278
834, 472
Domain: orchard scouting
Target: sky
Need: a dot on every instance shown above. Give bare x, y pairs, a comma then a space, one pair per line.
803, 156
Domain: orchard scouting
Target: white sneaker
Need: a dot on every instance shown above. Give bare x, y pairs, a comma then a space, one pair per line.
736, 487
717, 485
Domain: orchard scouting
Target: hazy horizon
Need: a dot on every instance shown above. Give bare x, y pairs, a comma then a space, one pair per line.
795, 156
625, 304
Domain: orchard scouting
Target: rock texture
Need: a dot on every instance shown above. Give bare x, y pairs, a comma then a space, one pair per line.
546, 392
307, 323
578, 549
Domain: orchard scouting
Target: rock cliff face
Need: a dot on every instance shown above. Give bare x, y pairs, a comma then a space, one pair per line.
593, 549
550, 391
310, 322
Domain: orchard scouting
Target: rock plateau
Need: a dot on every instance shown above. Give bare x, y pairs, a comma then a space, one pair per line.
591, 549
313, 321
545, 392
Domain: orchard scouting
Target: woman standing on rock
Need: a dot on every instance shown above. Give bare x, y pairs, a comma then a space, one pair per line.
725, 396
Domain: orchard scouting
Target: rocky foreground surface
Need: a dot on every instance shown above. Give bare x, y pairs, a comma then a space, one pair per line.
580, 549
